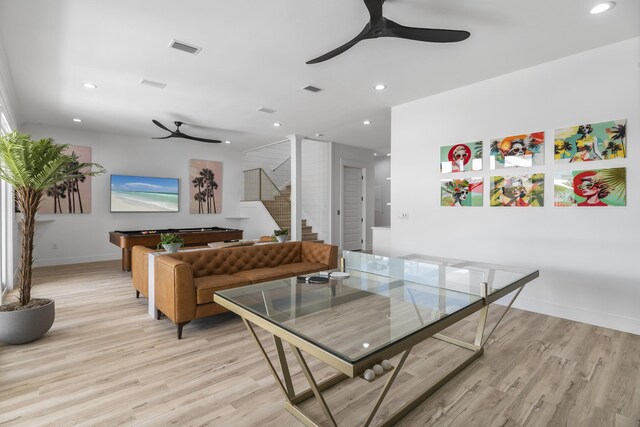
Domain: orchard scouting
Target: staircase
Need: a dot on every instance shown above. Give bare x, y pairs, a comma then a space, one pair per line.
280, 210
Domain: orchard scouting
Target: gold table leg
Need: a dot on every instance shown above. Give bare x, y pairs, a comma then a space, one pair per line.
292, 400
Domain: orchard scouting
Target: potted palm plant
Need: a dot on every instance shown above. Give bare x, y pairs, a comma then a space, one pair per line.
32, 167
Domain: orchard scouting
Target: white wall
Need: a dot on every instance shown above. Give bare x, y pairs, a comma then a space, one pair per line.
588, 258
84, 237
316, 168
356, 157
272, 159
382, 191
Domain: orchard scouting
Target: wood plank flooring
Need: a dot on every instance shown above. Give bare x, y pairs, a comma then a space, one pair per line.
106, 362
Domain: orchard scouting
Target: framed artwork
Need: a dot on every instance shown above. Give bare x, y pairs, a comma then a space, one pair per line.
517, 151
205, 183
461, 192
587, 188
130, 193
461, 157
518, 191
72, 196
588, 142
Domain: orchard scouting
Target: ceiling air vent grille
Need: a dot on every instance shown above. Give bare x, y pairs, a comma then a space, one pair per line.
312, 89
152, 83
185, 47
266, 110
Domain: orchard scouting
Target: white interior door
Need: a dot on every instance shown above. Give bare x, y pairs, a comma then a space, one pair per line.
352, 219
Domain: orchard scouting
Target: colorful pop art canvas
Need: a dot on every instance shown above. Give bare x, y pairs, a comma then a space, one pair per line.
517, 191
205, 183
517, 151
591, 188
461, 157
461, 192
589, 142
74, 195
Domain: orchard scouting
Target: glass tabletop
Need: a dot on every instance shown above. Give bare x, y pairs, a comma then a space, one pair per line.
450, 273
380, 302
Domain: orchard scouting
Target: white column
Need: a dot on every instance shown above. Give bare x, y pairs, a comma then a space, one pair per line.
296, 187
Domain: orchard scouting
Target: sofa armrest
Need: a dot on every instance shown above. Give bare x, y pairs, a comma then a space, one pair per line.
140, 269
321, 253
175, 294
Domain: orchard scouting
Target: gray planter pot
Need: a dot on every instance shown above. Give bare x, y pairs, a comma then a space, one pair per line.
282, 238
23, 326
172, 248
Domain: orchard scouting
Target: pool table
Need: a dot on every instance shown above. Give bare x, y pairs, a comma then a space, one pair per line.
150, 238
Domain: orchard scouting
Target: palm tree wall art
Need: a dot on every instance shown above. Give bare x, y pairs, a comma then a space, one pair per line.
591, 141
73, 195
205, 196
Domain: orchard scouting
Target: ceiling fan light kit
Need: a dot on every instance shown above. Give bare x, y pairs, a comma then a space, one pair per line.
379, 26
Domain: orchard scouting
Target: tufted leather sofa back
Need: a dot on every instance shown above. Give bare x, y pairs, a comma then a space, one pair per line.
231, 260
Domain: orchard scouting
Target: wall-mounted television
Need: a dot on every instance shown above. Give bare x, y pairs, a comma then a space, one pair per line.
144, 194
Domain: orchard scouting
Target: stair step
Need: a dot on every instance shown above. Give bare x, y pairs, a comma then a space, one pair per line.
310, 236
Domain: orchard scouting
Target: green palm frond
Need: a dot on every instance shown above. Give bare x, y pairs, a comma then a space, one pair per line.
616, 180
39, 164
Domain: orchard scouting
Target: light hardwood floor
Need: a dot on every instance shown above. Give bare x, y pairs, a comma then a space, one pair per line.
106, 362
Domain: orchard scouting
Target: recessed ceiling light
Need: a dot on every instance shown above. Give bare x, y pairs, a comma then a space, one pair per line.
319, 134
380, 87
77, 120
276, 124
227, 142
602, 7
90, 85
375, 154
366, 122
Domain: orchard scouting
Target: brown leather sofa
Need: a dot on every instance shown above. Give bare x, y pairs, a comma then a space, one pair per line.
185, 281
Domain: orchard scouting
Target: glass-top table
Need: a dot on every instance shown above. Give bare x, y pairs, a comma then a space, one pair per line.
380, 307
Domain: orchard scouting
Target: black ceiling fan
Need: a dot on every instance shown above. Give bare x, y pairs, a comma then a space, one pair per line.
379, 26
178, 134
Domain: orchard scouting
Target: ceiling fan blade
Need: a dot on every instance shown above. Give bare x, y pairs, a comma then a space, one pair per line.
185, 136
375, 9
163, 137
344, 47
427, 34
160, 125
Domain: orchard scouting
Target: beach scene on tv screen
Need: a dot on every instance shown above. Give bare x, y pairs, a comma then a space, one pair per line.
143, 194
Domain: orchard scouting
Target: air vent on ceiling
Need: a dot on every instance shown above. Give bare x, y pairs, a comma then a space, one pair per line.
152, 83
266, 110
185, 47
312, 89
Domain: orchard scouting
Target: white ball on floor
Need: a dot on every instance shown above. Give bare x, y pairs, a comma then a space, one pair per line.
378, 369
386, 365
369, 375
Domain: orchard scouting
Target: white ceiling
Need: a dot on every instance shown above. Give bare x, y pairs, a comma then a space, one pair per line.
254, 54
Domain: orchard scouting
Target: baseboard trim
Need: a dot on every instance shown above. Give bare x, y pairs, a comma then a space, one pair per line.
596, 318
74, 260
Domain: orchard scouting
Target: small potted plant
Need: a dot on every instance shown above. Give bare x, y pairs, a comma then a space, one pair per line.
281, 235
171, 242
